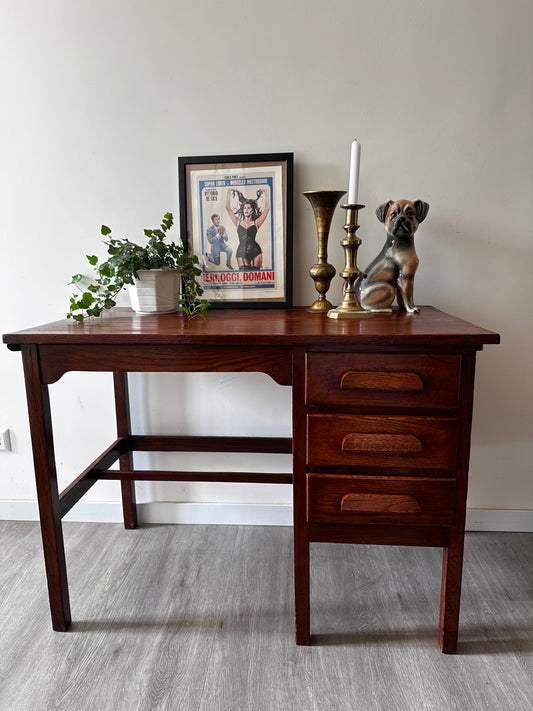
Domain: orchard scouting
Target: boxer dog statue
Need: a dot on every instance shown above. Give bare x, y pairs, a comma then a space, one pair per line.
392, 272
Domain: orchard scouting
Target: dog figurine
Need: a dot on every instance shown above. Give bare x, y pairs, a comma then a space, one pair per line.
391, 274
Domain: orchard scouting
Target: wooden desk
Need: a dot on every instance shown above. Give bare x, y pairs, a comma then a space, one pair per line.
382, 412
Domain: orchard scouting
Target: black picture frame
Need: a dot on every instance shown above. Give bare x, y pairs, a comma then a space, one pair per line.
243, 265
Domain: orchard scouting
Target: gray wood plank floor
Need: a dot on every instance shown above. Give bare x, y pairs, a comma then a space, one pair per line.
201, 618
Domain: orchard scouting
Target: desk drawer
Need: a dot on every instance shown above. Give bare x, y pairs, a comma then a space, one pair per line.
383, 379
382, 441
395, 500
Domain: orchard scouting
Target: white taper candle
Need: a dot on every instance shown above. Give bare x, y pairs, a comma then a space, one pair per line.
353, 185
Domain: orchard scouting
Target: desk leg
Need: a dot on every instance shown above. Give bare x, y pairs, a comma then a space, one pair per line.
129, 508
301, 589
47, 491
452, 568
452, 563
301, 534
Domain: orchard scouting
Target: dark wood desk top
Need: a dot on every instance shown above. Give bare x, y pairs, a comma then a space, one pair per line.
278, 327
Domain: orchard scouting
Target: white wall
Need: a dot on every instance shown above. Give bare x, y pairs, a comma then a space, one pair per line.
98, 99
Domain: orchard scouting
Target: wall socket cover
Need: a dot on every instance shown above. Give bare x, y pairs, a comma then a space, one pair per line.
5, 441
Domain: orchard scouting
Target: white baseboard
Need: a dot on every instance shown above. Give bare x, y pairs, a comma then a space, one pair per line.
161, 512
97, 511
499, 520
237, 514
225, 514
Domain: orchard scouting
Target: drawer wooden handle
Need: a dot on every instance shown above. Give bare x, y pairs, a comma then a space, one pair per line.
381, 380
359, 442
379, 503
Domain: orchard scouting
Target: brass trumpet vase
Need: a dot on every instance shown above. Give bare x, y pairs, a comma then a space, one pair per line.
350, 306
323, 203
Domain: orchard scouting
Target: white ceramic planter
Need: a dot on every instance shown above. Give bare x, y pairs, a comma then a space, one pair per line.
156, 291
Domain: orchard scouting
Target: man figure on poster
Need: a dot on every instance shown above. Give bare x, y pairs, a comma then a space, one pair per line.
218, 237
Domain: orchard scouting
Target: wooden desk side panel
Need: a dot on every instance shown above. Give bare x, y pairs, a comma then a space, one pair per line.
58, 360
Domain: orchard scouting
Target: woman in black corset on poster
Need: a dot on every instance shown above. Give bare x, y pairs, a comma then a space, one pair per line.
248, 219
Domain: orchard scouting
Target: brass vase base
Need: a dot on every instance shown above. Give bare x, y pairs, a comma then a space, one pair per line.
320, 307
350, 306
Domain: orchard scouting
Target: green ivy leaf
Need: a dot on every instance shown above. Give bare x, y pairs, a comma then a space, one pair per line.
95, 311
168, 221
105, 230
106, 270
86, 300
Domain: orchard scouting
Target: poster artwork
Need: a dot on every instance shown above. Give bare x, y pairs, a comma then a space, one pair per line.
235, 238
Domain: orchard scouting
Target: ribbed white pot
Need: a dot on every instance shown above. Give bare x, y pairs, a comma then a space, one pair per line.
156, 291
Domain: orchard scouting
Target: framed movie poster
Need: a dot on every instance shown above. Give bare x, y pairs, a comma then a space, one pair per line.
236, 216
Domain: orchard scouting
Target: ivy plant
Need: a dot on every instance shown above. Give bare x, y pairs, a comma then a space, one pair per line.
124, 260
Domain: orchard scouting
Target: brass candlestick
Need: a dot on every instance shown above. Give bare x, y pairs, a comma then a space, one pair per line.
350, 306
324, 203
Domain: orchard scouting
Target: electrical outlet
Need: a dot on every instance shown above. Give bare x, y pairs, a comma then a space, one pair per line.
5, 441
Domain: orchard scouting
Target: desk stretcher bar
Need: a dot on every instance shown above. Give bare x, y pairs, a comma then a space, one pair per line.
99, 469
